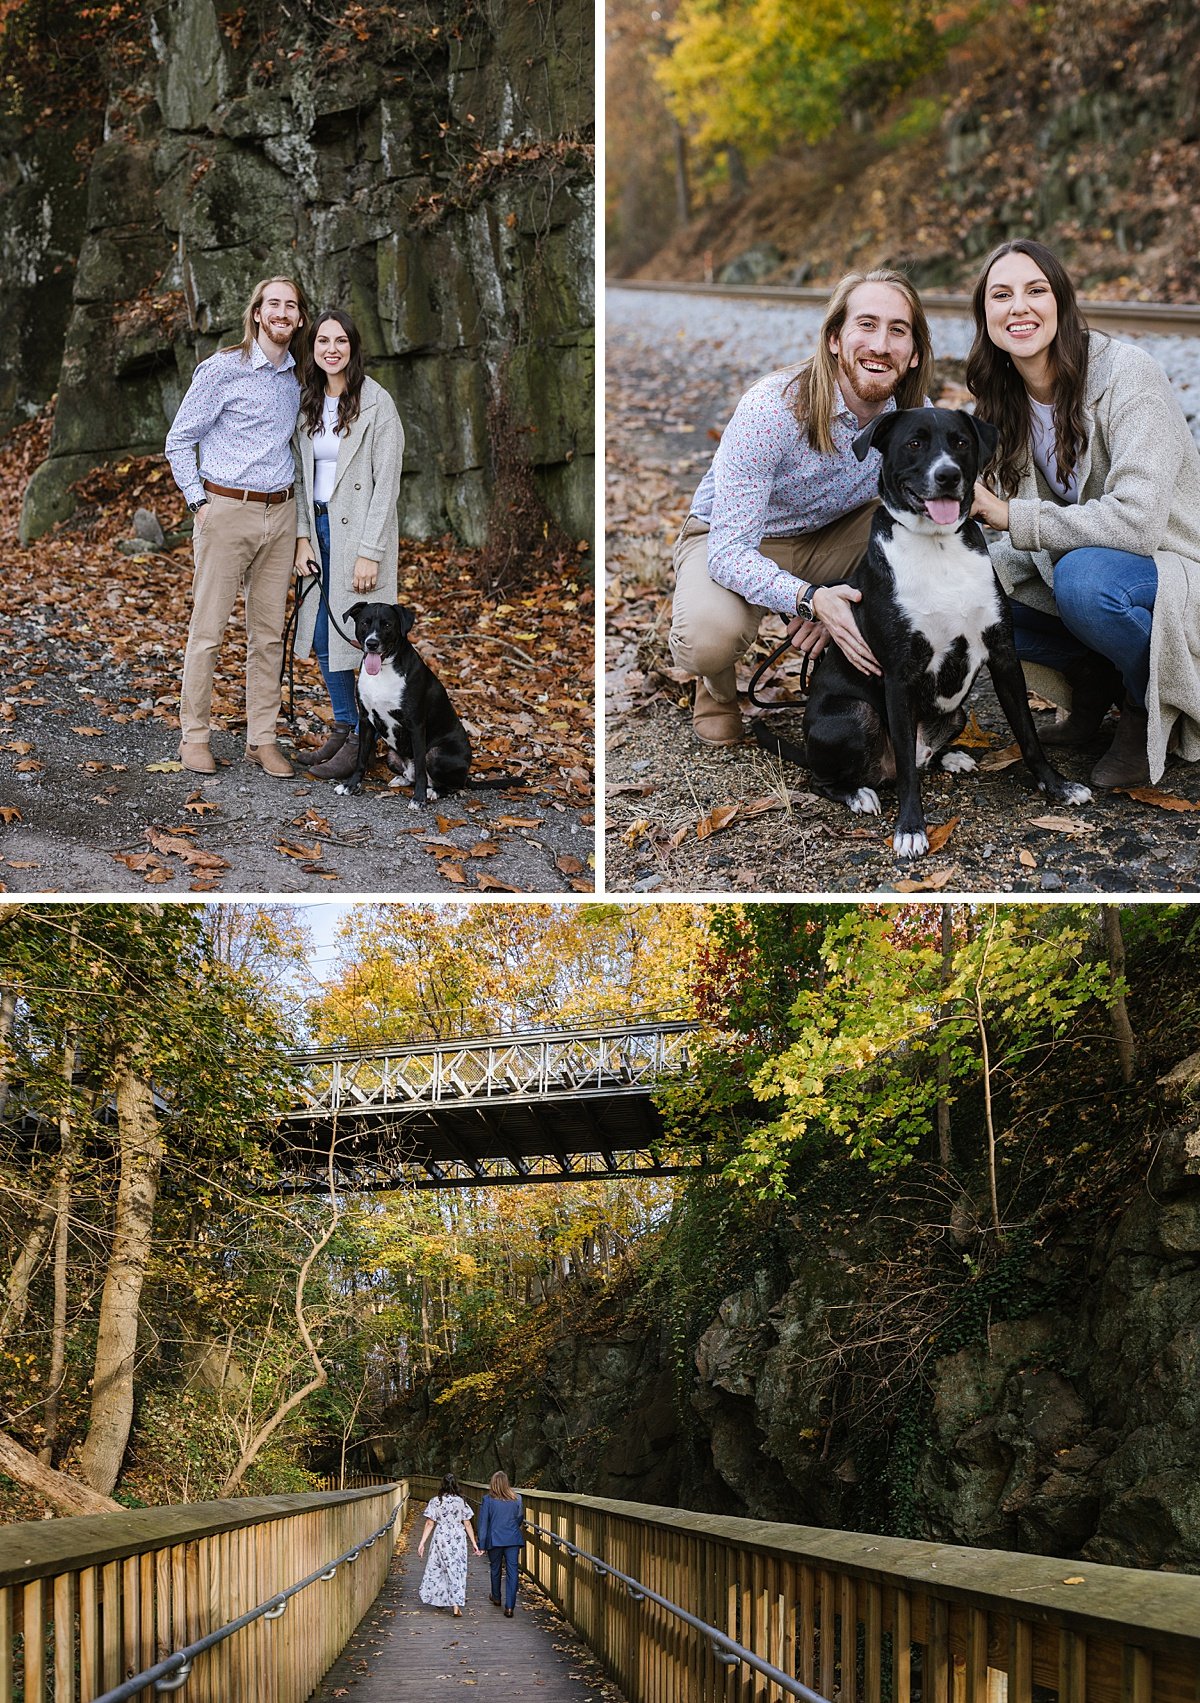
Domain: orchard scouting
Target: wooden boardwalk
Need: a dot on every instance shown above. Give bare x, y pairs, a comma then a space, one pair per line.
403, 1650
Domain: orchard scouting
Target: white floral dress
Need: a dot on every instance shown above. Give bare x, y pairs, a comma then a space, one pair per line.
445, 1581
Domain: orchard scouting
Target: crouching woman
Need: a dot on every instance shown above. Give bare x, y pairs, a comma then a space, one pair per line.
1097, 498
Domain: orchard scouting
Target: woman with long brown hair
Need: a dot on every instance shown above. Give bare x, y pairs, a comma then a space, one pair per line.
351, 445
500, 1533
1095, 487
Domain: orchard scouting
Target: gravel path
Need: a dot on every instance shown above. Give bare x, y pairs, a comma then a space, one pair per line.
681, 817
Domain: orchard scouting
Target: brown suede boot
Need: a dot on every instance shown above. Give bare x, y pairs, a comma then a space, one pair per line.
339, 732
270, 759
342, 764
1095, 687
714, 722
1125, 763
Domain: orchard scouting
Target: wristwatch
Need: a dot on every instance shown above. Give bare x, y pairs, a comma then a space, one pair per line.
198, 504
804, 601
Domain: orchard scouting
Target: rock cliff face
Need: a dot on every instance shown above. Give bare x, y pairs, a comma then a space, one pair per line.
1073, 1431
427, 169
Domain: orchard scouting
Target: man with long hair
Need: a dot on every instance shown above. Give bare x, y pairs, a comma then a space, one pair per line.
230, 450
784, 511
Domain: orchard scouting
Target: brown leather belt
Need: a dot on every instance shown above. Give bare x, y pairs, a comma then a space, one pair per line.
249, 496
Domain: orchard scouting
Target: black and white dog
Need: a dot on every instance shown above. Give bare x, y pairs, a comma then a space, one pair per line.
402, 700
933, 612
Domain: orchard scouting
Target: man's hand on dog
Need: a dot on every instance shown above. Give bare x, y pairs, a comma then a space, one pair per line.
366, 573
832, 604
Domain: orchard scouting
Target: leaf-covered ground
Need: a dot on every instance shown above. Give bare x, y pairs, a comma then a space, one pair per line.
684, 817
92, 797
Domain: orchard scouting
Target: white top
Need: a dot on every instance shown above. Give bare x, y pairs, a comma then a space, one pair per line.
325, 453
1041, 422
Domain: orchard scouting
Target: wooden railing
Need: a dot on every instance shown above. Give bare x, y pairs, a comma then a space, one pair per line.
87, 1603
860, 1618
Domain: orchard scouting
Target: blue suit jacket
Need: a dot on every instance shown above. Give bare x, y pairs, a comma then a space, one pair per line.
500, 1523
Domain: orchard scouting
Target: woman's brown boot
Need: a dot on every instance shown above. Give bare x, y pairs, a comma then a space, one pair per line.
342, 764
338, 735
1126, 763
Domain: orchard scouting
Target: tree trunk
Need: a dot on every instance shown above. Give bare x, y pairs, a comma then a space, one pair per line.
112, 1387
65, 1494
945, 1150
1122, 1028
16, 1303
683, 193
8, 1016
320, 1376
62, 1224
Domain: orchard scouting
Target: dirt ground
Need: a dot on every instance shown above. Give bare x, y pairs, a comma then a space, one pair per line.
93, 798
684, 817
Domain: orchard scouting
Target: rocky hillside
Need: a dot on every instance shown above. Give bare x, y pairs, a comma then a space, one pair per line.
858, 1362
428, 168
1077, 121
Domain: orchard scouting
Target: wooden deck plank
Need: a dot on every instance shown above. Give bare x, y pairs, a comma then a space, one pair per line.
402, 1649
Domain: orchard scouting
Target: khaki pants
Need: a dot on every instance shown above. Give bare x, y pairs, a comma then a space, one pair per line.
712, 627
239, 544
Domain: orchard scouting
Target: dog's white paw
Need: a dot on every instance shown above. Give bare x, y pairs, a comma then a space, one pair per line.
1074, 793
432, 795
342, 791
864, 802
392, 785
910, 845
413, 805
958, 762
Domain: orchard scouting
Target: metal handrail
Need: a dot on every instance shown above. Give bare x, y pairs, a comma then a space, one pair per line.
724, 1648
173, 1671
602, 1029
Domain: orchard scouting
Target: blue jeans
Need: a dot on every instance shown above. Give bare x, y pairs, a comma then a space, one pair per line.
339, 683
1105, 604
506, 1558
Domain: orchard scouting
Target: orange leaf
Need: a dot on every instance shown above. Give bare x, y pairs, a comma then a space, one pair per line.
27, 766
760, 806
520, 821
161, 875
22, 747
484, 848
10, 813
1001, 759
569, 865
445, 823
1144, 794
89, 732
929, 884
720, 816
453, 872
938, 836
302, 852
973, 735
201, 807
1027, 859
489, 884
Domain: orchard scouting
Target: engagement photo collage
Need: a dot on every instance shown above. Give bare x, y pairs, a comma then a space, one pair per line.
600, 851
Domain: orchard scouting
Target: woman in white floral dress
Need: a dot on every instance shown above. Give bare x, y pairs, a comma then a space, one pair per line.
449, 1519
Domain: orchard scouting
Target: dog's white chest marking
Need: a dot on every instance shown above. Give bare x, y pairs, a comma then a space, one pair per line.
946, 592
382, 694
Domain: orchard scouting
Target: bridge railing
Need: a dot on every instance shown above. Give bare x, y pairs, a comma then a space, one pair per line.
580, 1063
90, 1602
864, 1619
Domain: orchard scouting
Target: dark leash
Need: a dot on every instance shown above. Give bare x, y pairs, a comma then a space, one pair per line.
807, 664
287, 668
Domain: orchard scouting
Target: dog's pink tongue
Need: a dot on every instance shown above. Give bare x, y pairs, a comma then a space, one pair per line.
943, 511
373, 661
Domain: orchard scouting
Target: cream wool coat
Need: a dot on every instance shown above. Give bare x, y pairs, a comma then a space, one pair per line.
362, 517
1139, 491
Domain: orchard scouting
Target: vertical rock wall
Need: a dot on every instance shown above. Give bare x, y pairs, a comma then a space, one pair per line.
428, 169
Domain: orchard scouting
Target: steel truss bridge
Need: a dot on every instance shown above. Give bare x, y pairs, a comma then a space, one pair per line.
551, 1105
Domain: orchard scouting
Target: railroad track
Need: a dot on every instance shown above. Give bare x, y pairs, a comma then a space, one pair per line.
1165, 319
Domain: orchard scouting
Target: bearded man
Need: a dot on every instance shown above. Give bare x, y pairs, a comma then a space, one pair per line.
784, 511
230, 450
